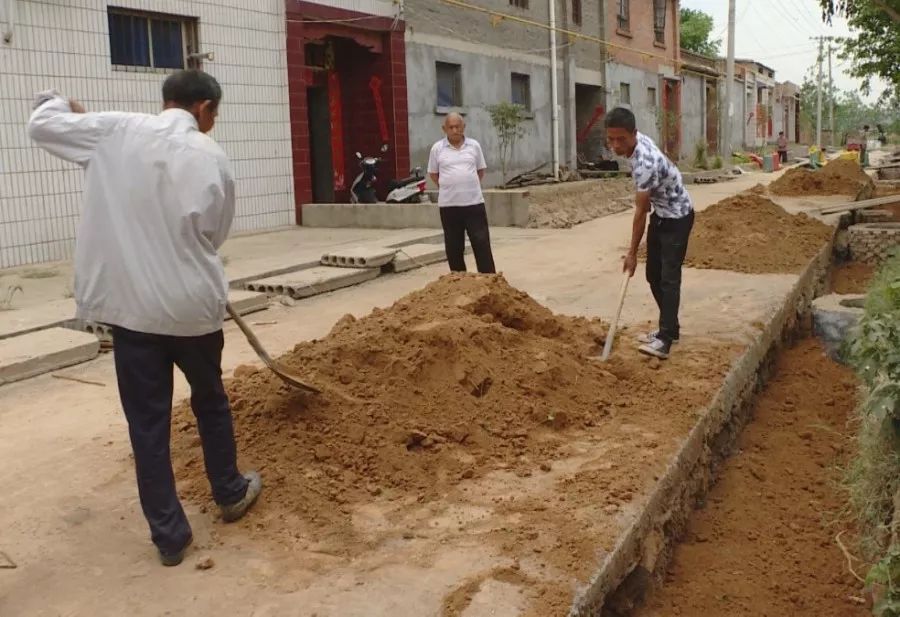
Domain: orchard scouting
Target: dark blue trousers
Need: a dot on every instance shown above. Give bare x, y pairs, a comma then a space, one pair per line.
144, 369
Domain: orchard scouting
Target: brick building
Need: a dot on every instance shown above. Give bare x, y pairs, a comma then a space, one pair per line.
347, 76
117, 58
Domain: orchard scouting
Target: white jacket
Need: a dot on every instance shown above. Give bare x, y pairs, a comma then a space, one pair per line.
158, 202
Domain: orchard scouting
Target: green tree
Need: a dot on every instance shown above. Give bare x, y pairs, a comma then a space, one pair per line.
696, 27
507, 119
874, 50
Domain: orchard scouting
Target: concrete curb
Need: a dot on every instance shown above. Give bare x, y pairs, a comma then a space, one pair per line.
33, 354
646, 546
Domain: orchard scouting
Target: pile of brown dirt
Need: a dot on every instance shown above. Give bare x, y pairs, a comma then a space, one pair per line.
764, 544
463, 377
749, 233
852, 277
840, 177
560, 206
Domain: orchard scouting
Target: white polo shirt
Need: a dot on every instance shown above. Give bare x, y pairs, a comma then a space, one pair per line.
458, 169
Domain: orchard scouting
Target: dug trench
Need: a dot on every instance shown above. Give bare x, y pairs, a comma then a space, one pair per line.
467, 414
766, 540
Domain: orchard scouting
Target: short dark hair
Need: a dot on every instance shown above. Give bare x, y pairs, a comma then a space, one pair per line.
781, 132
185, 88
621, 118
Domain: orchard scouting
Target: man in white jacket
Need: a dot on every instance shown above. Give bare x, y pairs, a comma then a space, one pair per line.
158, 203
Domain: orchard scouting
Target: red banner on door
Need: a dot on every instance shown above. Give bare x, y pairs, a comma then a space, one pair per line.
337, 130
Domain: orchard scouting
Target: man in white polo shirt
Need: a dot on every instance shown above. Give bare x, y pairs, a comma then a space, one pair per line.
456, 165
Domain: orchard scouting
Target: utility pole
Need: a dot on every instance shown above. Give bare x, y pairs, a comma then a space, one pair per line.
830, 95
819, 98
728, 110
554, 95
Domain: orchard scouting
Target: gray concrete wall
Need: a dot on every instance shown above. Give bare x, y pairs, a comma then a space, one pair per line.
504, 209
639, 81
485, 82
693, 115
738, 116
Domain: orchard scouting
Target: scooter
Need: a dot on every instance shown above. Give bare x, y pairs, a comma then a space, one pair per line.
362, 191
410, 190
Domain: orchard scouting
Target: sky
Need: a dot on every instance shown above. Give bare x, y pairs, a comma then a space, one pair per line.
777, 33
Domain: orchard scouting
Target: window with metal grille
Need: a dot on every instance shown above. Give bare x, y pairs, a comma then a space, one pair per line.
651, 97
624, 16
522, 4
521, 90
449, 84
625, 93
576, 12
659, 20
151, 40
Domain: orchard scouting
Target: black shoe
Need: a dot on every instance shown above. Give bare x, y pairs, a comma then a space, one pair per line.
237, 510
173, 559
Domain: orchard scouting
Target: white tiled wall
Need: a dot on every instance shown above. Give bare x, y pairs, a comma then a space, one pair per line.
65, 45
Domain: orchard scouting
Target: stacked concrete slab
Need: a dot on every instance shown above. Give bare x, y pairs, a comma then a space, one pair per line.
312, 281
360, 257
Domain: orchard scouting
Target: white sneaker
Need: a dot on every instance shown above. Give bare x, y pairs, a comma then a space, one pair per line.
657, 348
649, 337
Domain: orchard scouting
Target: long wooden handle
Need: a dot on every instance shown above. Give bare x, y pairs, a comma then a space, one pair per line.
607, 345
251, 337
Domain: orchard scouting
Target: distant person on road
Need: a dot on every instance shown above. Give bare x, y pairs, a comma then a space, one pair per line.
660, 192
782, 147
456, 165
158, 203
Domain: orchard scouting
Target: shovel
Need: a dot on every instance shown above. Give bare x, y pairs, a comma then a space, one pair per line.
607, 345
272, 365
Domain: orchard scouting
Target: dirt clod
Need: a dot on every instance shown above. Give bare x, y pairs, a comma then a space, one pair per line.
205, 563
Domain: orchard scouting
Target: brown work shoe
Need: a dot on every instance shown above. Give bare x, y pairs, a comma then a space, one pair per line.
236, 511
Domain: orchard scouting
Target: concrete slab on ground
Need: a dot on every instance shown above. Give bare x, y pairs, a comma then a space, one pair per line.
359, 257
245, 302
312, 281
40, 352
38, 317
417, 256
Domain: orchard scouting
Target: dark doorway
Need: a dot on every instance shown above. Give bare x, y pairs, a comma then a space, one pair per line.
320, 145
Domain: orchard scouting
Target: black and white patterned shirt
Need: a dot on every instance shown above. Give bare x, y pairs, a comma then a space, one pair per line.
653, 172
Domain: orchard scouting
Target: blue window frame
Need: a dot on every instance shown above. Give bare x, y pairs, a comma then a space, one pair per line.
150, 40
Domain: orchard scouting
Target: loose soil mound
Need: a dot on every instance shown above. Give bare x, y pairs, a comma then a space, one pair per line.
764, 544
463, 377
840, 177
851, 278
561, 206
749, 233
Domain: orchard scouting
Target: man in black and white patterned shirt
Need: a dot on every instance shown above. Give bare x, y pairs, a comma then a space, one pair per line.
661, 192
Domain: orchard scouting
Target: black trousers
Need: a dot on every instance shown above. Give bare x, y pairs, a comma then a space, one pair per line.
784, 155
144, 369
459, 221
667, 242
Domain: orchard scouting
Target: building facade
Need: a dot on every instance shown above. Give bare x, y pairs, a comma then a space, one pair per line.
347, 73
463, 59
115, 58
642, 69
